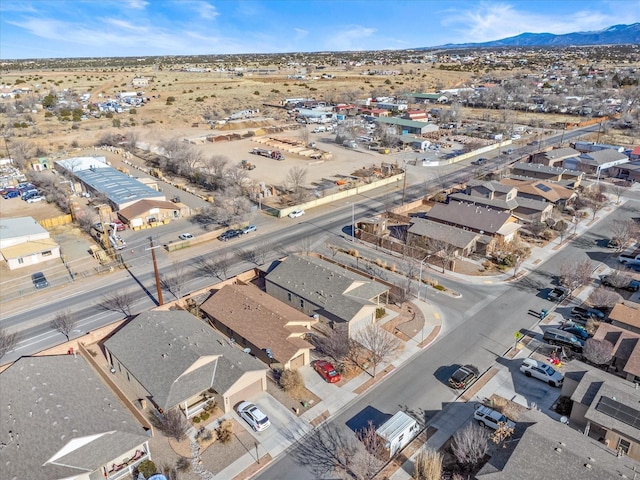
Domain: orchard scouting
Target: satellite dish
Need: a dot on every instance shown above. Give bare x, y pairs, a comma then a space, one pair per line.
247, 350
564, 420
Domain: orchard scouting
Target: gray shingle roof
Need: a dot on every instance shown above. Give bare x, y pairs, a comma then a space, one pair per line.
550, 450
497, 203
159, 348
602, 157
340, 292
49, 402
467, 215
561, 152
439, 231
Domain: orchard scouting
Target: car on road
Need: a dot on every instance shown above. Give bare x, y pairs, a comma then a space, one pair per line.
253, 416
185, 236
37, 198
577, 330
463, 377
490, 418
480, 161
558, 294
39, 280
541, 371
327, 371
296, 213
249, 229
230, 234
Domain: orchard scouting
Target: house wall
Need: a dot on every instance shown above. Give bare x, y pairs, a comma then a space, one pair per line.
612, 440
578, 411
127, 377
9, 242
20, 262
365, 317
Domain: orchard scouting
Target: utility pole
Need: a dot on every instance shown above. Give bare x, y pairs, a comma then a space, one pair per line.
404, 184
155, 270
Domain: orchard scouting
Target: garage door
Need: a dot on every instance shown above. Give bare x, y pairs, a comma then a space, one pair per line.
245, 394
297, 362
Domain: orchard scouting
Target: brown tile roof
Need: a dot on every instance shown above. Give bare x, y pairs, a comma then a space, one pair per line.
626, 346
626, 314
551, 192
143, 206
261, 319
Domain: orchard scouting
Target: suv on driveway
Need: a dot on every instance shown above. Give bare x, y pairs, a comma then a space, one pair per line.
490, 418
541, 371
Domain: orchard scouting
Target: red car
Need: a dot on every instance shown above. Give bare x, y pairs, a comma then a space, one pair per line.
327, 371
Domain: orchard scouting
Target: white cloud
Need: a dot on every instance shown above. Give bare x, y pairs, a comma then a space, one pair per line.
300, 33
137, 4
491, 21
11, 6
204, 9
123, 24
353, 37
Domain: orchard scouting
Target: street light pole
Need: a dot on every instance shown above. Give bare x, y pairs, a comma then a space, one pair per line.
420, 275
353, 222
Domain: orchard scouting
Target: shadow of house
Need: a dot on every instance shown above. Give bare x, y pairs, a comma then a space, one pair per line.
176, 360
265, 325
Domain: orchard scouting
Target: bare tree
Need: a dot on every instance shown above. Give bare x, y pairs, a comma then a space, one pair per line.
369, 455
334, 249
624, 231
172, 423
117, 301
215, 267
380, 344
599, 352
304, 135
561, 227
63, 322
443, 250
295, 181
575, 275
470, 445
428, 465
8, 341
617, 189
327, 451
263, 250
604, 297
333, 343
173, 280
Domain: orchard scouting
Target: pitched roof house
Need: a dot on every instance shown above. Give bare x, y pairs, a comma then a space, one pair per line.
148, 211
553, 158
262, 323
540, 190
422, 231
605, 407
175, 359
343, 299
61, 421
626, 316
626, 349
475, 218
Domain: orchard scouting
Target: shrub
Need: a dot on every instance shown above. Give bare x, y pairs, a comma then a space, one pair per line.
428, 465
290, 380
204, 416
225, 431
147, 468
133, 111
563, 407
183, 464
392, 267
380, 312
353, 252
439, 287
196, 419
256, 92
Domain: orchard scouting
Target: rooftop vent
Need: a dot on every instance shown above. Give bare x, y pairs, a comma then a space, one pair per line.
558, 449
587, 466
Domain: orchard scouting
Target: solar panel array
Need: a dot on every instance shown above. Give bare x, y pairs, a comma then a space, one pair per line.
543, 187
621, 412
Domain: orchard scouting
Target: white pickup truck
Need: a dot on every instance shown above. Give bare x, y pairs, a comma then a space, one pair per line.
629, 257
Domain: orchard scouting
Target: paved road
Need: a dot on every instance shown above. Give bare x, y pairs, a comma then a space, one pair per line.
477, 333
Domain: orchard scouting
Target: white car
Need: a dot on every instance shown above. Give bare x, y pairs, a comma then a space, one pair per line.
489, 418
35, 199
296, 213
541, 371
253, 416
185, 236
249, 229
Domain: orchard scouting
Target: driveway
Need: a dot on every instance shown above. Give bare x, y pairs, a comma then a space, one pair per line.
333, 396
285, 428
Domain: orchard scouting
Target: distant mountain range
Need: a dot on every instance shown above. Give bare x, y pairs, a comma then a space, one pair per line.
615, 35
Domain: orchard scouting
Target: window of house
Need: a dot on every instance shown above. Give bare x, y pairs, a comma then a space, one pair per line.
624, 445
289, 296
21, 260
47, 253
301, 303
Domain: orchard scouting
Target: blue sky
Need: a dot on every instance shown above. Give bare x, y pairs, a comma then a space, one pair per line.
97, 28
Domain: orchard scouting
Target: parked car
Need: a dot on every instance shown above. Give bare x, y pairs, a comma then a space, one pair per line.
490, 418
39, 280
253, 416
119, 226
577, 330
249, 229
558, 294
185, 236
633, 266
614, 243
479, 161
463, 377
587, 313
296, 213
621, 281
541, 371
327, 371
229, 234
11, 194
555, 336
37, 198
